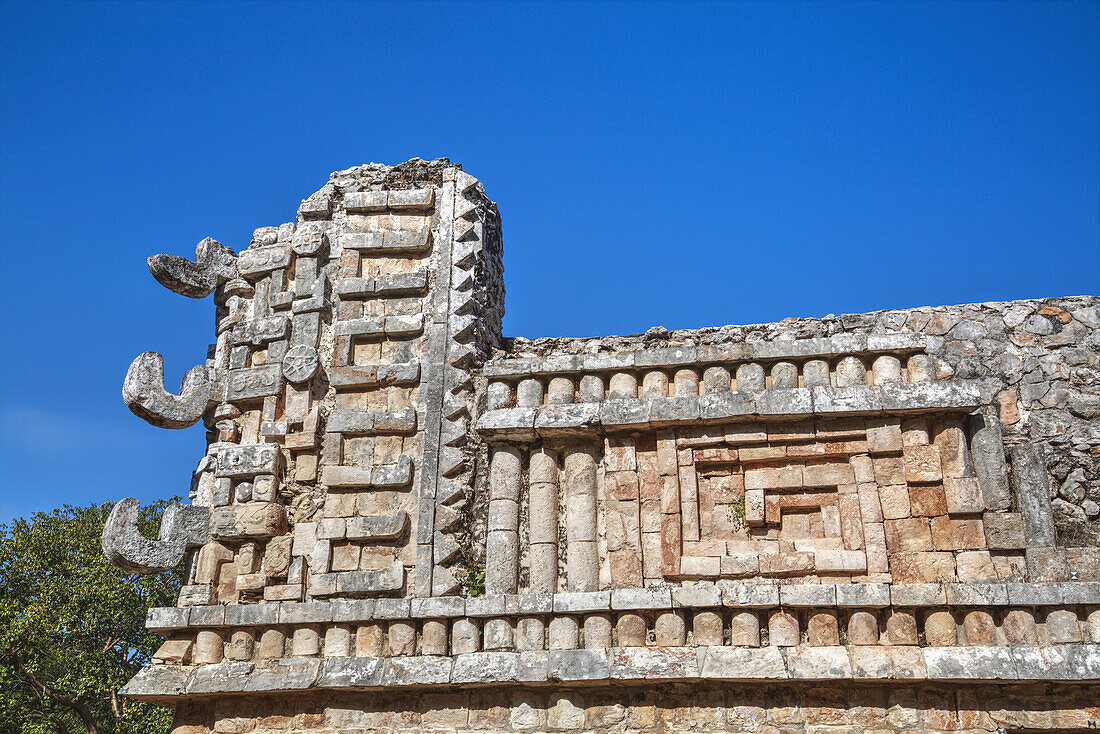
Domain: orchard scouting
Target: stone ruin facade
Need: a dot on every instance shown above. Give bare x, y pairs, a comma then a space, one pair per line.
406, 522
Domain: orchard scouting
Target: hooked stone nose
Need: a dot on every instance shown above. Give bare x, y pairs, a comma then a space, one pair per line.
144, 393
181, 527
214, 264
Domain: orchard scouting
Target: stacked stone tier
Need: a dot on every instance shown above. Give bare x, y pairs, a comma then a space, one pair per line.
740, 631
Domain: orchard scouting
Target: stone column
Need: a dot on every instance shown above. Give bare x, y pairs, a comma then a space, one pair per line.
582, 560
543, 522
502, 541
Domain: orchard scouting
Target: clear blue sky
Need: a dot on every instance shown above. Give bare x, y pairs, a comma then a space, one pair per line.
675, 164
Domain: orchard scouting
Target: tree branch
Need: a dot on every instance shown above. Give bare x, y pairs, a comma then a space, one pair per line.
76, 704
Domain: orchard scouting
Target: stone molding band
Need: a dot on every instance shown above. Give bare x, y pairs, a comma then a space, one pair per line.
673, 664
735, 596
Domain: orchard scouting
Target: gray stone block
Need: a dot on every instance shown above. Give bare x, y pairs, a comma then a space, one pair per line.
805, 662
486, 667
391, 608
750, 596
485, 606
352, 610
648, 663
698, 596
424, 670
350, 672
578, 665
863, 595
1030, 484
156, 681
918, 595
542, 603
582, 601
970, 663
976, 594
315, 612
166, 618
652, 597
988, 457
1034, 594
207, 616
807, 595
287, 674
440, 607
742, 663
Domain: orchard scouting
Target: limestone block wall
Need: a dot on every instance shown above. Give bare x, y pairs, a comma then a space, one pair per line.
405, 521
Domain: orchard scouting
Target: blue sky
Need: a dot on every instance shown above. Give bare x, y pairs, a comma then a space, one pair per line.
675, 164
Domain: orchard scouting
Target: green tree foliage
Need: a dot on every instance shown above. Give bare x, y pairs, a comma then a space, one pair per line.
72, 627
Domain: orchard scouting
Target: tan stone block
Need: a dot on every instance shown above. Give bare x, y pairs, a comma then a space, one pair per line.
863, 628
922, 464
979, 628
345, 557
827, 474
630, 629
1009, 411
176, 652
840, 561
851, 521
620, 455
655, 385
700, 566
670, 545
670, 630
740, 565
908, 534
791, 430
823, 629
895, 501
755, 454
1063, 627
782, 628
667, 460
889, 470
670, 494
706, 629
1009, 566
955, 534
652, 555
915, 432
754, 506
745, 629
927, 500
870, 504
841, 428
884, 436
975, 566
963, 495
863, 468
950, 439
786, 564
901, 627
305, 467
922, 567
209, 561
940, 629
685, 456
622, 485
1019, 627
272, 644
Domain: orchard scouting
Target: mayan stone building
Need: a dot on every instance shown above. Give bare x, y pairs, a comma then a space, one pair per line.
405, 521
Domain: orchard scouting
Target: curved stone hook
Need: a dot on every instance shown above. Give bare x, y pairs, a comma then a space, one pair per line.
181, 527
214, 264
144, 393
